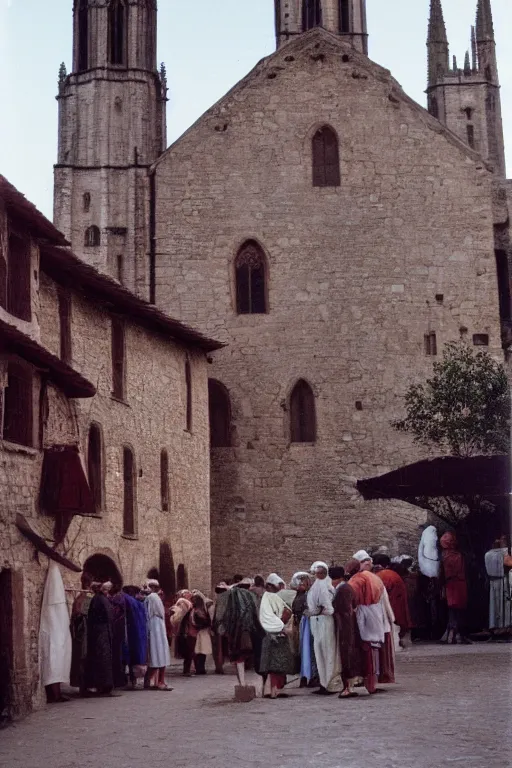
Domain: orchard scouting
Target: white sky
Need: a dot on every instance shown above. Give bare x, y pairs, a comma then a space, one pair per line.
207, 48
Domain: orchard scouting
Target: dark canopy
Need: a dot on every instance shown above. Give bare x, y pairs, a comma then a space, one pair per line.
487, 476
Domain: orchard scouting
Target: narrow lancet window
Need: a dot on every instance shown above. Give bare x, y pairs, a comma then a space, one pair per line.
326, 158
302, 414
311, 14
251, 280
117, 13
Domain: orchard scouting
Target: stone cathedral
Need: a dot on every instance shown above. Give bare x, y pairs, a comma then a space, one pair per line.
328, 229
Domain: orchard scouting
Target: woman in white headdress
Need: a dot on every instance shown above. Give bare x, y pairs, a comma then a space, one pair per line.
54, 636
276, 655
159, 656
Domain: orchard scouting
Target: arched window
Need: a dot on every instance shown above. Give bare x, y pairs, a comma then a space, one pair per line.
129, 527
311, 14
251, 282
95, 465
503, 272
92, 237
302, 414
326, 158
117, 13
188, 386
164, 479
83, 35
86, 201
220, 414
433, 107
344, 17
181, 577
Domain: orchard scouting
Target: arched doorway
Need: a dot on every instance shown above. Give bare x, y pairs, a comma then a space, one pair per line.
103, 568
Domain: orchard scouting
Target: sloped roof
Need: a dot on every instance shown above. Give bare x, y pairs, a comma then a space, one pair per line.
320, 40
20, 208
72, 383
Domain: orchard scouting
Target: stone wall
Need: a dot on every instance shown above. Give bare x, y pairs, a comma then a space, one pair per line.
354, 272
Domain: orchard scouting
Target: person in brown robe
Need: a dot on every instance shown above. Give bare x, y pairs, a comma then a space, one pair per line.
349, 641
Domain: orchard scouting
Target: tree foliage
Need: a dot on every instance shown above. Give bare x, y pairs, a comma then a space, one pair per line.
464, 408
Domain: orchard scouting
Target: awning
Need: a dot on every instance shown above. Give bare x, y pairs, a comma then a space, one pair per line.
487, 476
72, 383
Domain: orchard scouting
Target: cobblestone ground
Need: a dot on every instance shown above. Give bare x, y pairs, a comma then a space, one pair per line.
451, 706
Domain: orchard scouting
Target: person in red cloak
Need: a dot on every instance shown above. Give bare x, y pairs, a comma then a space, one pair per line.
397, 592
453, 580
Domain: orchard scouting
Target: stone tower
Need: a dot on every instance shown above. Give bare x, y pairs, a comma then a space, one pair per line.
467, 99
341, 17
112, 127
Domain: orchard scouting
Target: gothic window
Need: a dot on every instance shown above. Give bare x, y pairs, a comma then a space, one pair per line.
434, 107
18, 405
117, 12
164, 479
92, 237
470, 130
95, 465
344, 16
311, 14
302, 414
251, 282
430, 341
503, 273
18, 278
120, 268
220, 414
83, 35
64, 298
87, 201
129, 527
118, 359
326, 158
188, 386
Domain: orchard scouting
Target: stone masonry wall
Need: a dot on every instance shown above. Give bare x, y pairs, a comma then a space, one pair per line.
353, 276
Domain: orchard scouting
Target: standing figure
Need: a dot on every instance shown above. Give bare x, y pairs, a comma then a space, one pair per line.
349, 645
201, 620
321, 615
243, 630
276, 654
119, 650
301, 582
397, 592
453, 580
220, 643
100, 622
429, 566
368, 590
499, 587
136, 635
158, 657
78, 627
54, 636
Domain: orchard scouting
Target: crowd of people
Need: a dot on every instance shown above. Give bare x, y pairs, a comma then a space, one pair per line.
334, 628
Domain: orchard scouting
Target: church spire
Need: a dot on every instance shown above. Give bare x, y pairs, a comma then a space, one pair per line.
437, 44
484, 23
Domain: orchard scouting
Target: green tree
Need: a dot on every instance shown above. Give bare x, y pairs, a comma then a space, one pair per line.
464, 408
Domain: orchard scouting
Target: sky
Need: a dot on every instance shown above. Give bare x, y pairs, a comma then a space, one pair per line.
207, 46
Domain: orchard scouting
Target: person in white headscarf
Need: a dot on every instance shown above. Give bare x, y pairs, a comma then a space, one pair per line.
499, 587
429, 565
276, 656
321, 618
54, 636
158, 657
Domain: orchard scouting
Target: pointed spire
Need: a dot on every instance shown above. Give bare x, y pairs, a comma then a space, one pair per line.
436, 25
484, 23
474, 49
467, 64
455, 65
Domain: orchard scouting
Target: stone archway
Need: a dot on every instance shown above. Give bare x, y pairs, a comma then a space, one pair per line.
103, 568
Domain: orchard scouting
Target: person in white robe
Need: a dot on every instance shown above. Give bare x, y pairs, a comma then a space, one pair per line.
500, 610
55, 643
323, 629
159, 657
